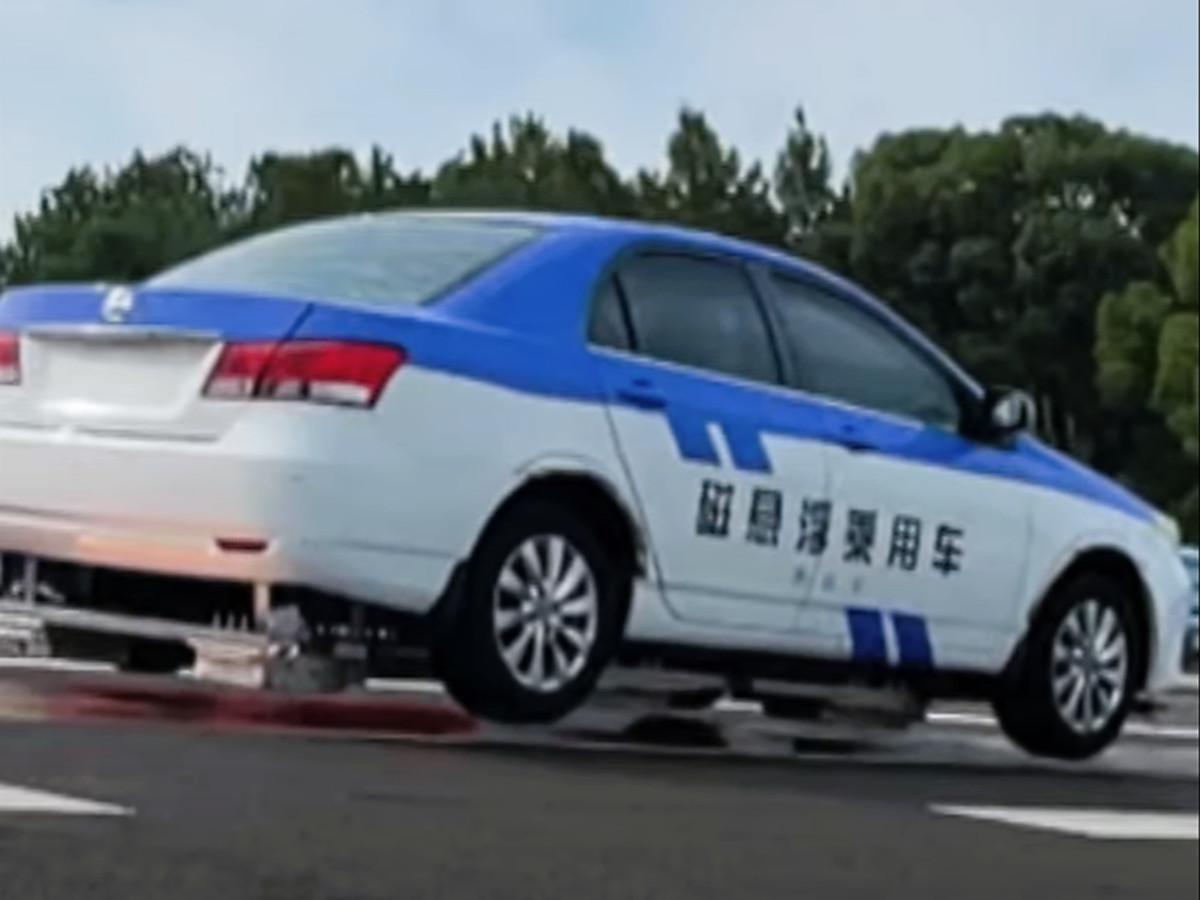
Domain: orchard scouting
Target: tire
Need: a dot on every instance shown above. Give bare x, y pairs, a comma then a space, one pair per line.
1043, 722
469, 655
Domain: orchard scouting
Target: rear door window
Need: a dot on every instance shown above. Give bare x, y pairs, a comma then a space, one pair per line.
701, 313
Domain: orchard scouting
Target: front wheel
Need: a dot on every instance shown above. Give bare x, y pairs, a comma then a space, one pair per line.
540, 615
1071, 689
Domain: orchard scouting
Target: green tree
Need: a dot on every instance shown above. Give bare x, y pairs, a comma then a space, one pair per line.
804, 179
286, 188
707, 185
526, 166
124, 224
817, 215
1148, 354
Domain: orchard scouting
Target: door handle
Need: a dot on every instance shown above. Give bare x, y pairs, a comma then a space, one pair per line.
642, 398
853, 440
642, 394
855, 445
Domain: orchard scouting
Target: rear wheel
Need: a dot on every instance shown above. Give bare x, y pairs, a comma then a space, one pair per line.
1070, 691
540, 615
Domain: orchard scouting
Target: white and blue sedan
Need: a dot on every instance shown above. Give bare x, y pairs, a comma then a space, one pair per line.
548, 442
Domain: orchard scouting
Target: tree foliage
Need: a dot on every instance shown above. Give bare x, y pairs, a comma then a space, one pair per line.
1051, 253
1148, 350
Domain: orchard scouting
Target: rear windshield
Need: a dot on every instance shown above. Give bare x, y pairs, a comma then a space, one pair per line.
382, 260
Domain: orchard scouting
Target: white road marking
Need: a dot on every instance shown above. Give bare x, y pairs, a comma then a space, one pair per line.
1136, 729
405, 686
1109, 825
24, 800
733, 705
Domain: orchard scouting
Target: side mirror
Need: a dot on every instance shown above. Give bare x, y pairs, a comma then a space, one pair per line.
1009, 411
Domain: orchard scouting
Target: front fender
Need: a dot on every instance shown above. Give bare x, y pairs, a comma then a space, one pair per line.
1162, 577
1045, 577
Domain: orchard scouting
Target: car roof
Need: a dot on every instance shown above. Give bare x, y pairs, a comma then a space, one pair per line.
634, 230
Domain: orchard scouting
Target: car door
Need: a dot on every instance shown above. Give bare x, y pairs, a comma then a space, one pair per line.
931, 542
692, 376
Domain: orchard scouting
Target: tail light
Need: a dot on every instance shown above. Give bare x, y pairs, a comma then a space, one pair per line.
10, 359
338, 373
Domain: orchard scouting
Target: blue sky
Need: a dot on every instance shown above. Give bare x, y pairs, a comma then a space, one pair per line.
90, 80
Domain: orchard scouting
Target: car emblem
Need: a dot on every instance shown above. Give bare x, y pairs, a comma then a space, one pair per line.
118, 304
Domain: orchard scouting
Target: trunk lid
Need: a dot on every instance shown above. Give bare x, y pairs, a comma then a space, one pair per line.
123, 361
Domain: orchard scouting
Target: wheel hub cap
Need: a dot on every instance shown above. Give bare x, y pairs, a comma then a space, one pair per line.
545, 613
1090, 668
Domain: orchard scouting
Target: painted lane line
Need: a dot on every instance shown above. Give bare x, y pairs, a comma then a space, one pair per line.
1110, 825
15, 799
733, 705
1136, 729
405, 686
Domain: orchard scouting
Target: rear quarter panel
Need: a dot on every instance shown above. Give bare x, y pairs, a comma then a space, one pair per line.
453, 448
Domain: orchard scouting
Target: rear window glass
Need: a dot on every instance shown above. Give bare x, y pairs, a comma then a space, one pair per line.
385, 260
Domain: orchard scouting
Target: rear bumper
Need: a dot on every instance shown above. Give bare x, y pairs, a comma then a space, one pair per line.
169, 549
172, 507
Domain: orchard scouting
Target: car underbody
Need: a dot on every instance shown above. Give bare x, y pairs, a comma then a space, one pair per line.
291, 638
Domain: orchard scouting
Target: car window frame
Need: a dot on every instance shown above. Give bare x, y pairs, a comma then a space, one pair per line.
678, 249
593, 307
964, 398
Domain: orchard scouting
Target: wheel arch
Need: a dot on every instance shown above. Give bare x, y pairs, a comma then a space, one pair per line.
465, 659
588, 492
583, 484
1112, 562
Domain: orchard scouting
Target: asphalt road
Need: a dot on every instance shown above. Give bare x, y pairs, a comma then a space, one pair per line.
197, 816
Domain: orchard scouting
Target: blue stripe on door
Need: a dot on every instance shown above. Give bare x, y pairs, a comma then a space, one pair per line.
869, 645
868, 642
692, 439
694, 442
914, 646
746, 447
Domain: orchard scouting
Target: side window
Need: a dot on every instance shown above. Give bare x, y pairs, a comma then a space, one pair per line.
849, 355
698, 312
607, 327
